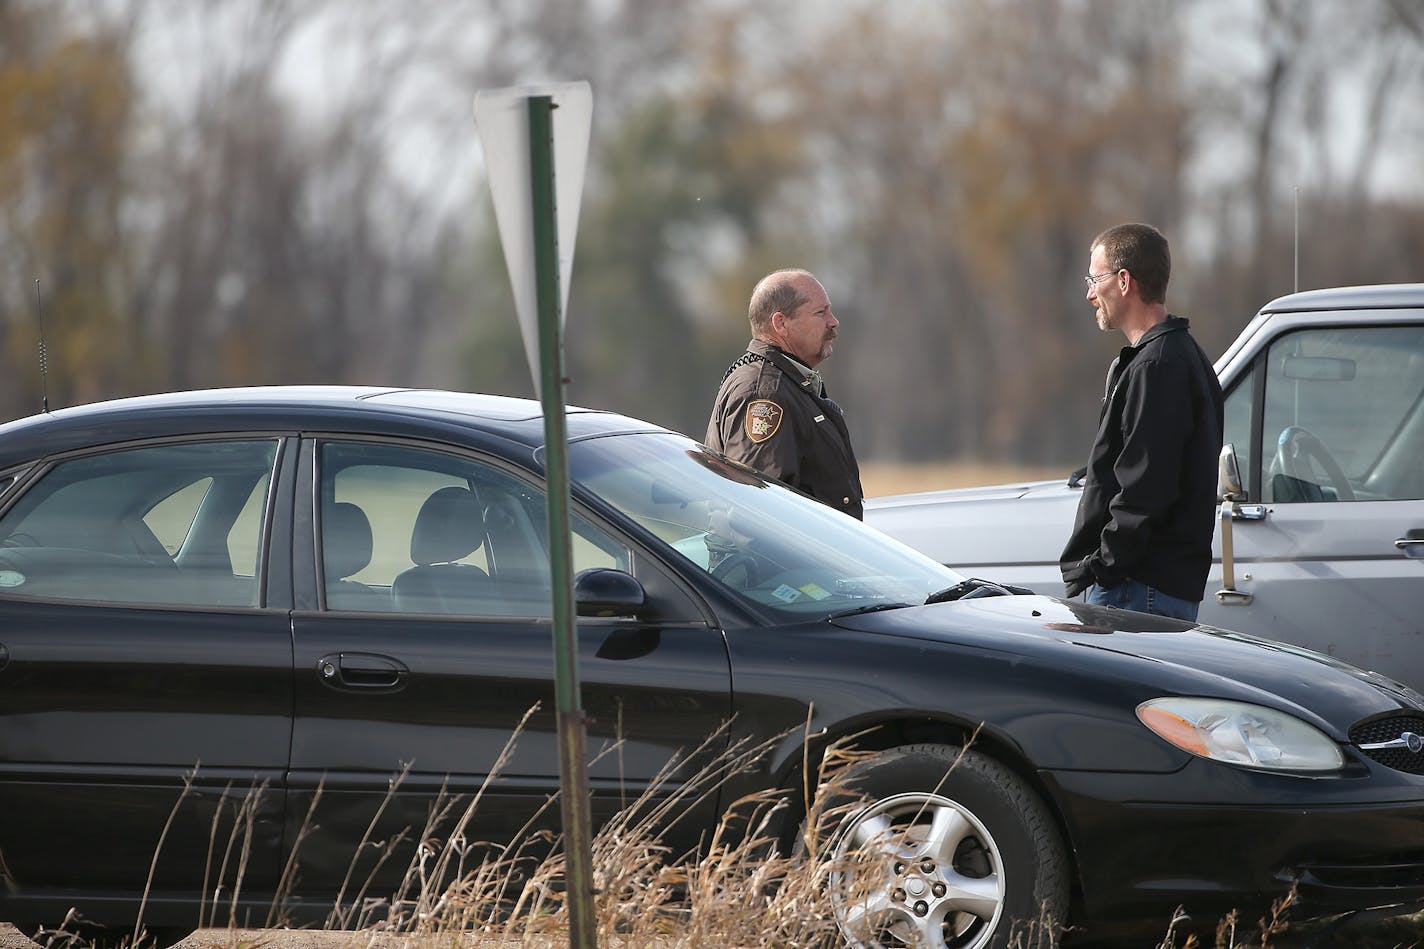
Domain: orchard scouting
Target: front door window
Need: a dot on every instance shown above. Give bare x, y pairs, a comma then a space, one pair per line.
413, 531
1343, 418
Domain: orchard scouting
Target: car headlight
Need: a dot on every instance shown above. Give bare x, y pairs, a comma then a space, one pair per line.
1241, 733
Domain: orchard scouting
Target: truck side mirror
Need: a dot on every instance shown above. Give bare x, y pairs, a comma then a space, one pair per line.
1228, 474
1228, 487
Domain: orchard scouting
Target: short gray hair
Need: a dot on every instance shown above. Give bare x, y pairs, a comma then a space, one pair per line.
778, 292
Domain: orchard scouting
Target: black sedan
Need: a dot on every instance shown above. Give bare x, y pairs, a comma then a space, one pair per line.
244, 624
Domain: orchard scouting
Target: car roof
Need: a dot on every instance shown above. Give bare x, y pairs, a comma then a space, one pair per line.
1377, 296
359, 409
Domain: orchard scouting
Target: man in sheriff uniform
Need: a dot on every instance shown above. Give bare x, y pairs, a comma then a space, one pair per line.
772, 413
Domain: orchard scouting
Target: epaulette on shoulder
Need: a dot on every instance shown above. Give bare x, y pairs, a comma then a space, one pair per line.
743, 360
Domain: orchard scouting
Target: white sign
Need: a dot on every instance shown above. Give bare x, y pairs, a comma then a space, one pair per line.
502, 117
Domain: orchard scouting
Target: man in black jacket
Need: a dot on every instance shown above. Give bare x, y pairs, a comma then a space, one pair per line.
1142, 539
772, 412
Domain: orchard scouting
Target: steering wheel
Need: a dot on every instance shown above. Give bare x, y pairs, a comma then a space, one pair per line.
1295, 450
20, 539
723, 571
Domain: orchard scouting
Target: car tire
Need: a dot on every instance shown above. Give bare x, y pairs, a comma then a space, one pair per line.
972, 857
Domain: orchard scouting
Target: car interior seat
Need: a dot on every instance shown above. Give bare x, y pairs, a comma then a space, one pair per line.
345, 551
449, 527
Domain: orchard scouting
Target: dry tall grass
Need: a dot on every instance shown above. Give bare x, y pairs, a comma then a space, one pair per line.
739, 890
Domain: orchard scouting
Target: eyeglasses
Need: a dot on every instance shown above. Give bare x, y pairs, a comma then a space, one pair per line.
1092, 280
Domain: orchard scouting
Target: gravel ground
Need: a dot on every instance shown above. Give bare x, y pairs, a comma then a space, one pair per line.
10, 938
1399, 933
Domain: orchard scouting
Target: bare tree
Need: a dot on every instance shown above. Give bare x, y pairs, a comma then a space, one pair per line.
976, 150
63, 146
243, 191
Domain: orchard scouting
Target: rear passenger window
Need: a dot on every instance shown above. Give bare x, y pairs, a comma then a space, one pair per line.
174, 524
171, 518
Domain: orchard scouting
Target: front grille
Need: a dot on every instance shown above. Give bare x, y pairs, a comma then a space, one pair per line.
1380, 730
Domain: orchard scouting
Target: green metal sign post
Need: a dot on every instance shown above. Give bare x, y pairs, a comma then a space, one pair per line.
536, 197
573, 740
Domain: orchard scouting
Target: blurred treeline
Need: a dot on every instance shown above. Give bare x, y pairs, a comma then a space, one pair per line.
221, 192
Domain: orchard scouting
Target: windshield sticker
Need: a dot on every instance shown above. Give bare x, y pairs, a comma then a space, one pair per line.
815, 592
786, 594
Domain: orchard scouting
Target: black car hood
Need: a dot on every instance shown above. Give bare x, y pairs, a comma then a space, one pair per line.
1165, 654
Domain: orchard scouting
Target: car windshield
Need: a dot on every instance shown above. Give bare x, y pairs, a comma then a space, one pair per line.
755, 536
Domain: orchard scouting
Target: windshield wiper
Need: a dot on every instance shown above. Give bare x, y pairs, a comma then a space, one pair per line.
869, 608
971, 589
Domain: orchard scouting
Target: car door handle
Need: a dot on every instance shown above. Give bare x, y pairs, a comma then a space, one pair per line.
362, 671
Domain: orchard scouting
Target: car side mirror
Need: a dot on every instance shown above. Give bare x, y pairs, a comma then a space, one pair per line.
1228, 474
600, 591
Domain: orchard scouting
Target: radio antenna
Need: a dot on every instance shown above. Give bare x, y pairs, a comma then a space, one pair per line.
1296, 288
44, 369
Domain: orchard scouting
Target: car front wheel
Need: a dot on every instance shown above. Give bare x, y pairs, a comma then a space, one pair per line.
946, 851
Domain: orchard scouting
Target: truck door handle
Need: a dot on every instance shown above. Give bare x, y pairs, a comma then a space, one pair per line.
362, 671
1412, 543
1228, 595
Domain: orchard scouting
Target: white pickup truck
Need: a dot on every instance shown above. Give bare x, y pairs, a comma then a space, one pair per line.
1320, 540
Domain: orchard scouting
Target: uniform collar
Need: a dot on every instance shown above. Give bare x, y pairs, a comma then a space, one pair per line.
810, 378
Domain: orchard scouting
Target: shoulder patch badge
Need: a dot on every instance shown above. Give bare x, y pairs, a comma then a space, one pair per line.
763, 419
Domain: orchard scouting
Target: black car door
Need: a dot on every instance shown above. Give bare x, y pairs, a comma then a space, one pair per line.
424, 664
145, 675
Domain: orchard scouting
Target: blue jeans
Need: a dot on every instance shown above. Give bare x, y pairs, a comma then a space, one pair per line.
1131, 595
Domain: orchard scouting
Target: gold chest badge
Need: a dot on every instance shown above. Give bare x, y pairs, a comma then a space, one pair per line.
763, 419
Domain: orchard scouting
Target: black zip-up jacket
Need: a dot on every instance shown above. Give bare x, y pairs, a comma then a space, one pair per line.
1149, 498
767, 417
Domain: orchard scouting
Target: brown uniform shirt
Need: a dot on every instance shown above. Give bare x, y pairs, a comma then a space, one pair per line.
767, 417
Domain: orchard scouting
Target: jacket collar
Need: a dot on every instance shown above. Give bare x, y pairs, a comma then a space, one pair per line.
1171, 324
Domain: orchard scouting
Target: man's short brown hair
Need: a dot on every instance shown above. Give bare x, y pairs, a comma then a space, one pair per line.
1141, 250
778, 292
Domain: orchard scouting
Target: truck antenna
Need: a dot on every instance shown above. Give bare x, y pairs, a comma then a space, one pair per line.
1296, 288
44, 369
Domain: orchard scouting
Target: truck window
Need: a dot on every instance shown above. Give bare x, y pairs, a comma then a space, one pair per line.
1342, 417
1236, 427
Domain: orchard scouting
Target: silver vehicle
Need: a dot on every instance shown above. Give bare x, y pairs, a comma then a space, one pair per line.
1320, 540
